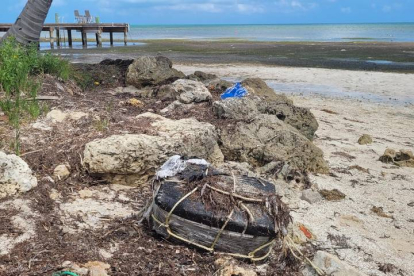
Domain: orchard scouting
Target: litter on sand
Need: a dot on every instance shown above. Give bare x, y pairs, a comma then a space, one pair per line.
217, 211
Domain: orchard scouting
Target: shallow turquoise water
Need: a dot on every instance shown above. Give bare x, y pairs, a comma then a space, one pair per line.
395, 32
400, 32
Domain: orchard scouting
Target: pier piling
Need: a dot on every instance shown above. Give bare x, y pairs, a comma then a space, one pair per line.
70, 38
52, 37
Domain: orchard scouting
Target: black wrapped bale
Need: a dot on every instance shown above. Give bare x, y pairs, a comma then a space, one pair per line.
217, 211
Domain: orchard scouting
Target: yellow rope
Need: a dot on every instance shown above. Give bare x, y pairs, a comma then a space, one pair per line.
291, 244
221, 230
235, 195
167, 219
250, 256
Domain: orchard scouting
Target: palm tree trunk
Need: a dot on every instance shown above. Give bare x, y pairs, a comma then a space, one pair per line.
29, 24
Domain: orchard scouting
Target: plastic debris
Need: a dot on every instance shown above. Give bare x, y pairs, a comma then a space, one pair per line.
65, 273
237, 91
177, 164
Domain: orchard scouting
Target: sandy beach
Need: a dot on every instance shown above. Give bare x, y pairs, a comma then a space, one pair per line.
383, 107
371, 229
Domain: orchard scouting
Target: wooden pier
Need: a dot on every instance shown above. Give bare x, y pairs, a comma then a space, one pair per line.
97, 28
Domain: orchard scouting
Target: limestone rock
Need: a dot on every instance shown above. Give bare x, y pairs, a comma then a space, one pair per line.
42, 126
237, 168
56, 116
265, 139
258, 87
248, 107
77, 115
15, 176
300, 118
236, 108
150, 71
388, 156
201, 76
94, 268
61, 172
311, 196
218, 85
176, 105
365, 139
132, 159
403, 158
142, 93
229, 267
69, 266
191, 91
185, 91
331, 265
97, 268
332, 195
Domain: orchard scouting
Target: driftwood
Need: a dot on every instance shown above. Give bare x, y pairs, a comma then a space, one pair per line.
220, 212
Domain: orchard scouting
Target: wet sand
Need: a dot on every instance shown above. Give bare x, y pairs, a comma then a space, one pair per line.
371, 56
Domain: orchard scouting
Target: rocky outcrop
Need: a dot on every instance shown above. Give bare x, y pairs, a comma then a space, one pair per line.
211, 81
15, 176
133, 158
190, 91
185, 91
236, 108
58, 116
248, 107
219, 85
403, 158
365, 139
300, 118
61, 172
201, 76
256, 86
265, 138
150, 71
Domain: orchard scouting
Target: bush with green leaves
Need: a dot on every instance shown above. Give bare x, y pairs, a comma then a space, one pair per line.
19, 67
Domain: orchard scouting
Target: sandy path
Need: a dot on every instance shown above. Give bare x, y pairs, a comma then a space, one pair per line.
371, 240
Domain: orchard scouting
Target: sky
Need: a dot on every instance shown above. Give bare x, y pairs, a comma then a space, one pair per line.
160, 12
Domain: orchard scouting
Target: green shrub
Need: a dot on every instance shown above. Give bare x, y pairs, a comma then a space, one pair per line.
52, 65
19, 66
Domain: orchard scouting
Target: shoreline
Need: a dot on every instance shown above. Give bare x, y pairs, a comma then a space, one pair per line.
366, 56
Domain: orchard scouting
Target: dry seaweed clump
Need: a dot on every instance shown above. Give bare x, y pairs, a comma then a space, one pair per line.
220, 212
332, 195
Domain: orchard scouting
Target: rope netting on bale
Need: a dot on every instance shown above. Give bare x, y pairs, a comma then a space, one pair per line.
217, 211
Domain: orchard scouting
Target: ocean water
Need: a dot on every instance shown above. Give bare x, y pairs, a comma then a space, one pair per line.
385, 32
398, 32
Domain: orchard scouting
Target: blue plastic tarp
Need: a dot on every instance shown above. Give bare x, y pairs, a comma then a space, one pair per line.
237, 91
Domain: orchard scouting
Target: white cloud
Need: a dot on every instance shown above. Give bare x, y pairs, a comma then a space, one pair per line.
294, 5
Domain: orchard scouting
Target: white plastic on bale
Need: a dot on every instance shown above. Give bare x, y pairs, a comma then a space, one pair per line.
176, 164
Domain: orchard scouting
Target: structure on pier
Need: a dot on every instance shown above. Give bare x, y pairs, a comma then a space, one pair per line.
84, 29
